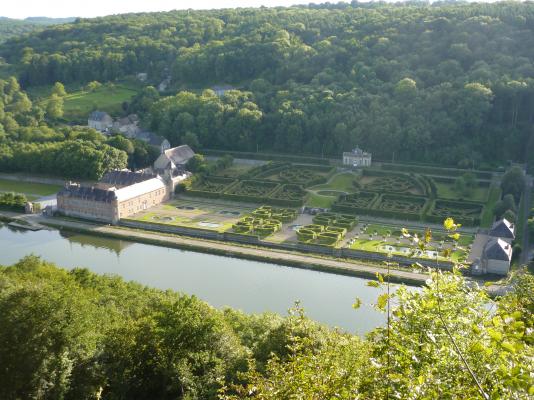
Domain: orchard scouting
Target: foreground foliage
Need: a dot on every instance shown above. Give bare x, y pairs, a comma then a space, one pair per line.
75, 334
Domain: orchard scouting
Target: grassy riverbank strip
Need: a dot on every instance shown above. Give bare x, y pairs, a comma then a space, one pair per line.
293, 259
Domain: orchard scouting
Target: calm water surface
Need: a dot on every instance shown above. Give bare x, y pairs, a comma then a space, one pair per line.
221, 281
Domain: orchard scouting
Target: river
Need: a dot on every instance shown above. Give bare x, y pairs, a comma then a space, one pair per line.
221, 281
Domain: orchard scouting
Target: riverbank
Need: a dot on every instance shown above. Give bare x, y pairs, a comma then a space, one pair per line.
338, 266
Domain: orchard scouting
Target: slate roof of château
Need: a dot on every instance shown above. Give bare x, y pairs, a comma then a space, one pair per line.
121, 178
88, 193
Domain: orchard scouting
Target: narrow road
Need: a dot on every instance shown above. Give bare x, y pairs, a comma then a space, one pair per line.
526, 209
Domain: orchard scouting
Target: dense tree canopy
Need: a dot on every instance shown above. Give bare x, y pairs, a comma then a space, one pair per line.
449, 83
32, 140
75, 335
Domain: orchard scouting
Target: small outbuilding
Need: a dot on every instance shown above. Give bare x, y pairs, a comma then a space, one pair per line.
496, 257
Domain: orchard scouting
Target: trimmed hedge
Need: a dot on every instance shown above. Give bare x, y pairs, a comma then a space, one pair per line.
435, 170
13, 201
463, 212
268, 156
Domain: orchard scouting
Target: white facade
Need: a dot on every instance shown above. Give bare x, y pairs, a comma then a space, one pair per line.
357, 158
497, 267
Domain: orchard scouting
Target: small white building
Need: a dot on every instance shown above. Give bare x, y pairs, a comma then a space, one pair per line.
357, 158
101, 121
496, 257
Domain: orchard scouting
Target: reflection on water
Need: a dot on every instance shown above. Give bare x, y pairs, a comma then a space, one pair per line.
221, 281
116, 246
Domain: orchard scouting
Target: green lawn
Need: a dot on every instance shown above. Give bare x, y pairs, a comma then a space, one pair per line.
30, 189
342, 182
316, 200
79, 103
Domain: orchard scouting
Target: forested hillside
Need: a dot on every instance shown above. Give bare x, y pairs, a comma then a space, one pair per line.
78, 335
443, 83
14, 27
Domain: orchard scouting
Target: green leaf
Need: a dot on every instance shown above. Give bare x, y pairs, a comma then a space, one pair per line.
495, 335
428, 235
508, 347
382, 301
380, 277
357, 303
373, 284
449, 224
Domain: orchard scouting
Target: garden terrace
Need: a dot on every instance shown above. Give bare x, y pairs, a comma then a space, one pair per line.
321, 234
213, 184
433, 170
264, 221
293, 193
401, 204
306, 175
390, 182
355, 202
252, 189
333, 220
467, 213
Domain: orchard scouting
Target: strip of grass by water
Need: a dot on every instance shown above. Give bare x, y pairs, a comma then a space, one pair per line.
28, 188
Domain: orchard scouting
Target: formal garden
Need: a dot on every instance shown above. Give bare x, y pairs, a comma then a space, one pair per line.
327, 229
397, 192
264, 221
389, 239
276, 183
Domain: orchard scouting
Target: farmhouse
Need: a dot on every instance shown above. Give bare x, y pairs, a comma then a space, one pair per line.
357, 158
118, 195
128, 126
100, 121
